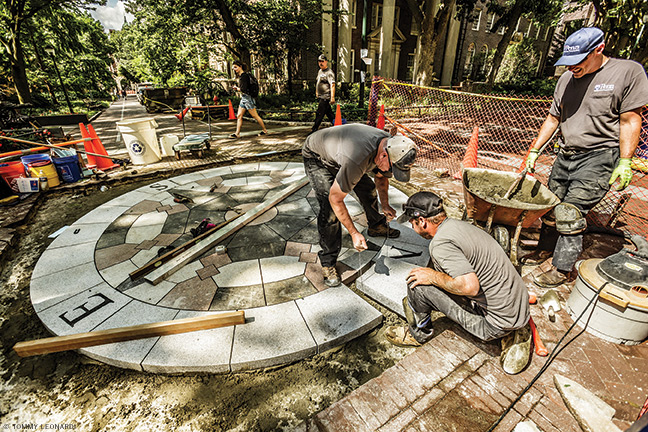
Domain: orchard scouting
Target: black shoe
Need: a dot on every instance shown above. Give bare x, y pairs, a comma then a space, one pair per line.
383, 231
331, 277
536, 257
201, 228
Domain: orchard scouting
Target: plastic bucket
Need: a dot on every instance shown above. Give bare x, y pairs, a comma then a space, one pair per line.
47, 169
140, 139
29, 159
68, 168
10, 171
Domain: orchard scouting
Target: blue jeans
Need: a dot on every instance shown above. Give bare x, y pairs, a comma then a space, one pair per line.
247, 102
329, 227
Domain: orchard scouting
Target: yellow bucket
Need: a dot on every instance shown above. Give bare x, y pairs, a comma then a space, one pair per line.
48, 170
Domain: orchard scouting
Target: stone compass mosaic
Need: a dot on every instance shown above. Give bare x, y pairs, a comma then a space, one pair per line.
269, 268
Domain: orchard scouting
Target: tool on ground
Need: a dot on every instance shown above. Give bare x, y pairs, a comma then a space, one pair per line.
101, 337
551, 302
540, 348
173, 252
12, 154
173, 265
182, 199
204, 226
57, 146
523, 174
407, 254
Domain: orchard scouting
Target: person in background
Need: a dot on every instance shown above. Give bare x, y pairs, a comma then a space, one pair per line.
248, 87
324, 92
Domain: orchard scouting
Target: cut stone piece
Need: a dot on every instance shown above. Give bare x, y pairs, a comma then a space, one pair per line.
110, 256
288, 289
591, 413
526, 426
243, 297
281, 267
143, 257
143, 207
238, 274
274, 335
101, 214
149, 293
118, 273
192, 294
53, 260
127, 200
187, 272
146, 227
55, 287
77, 234
336, 316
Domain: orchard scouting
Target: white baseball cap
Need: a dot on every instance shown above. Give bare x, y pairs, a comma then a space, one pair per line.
402, 154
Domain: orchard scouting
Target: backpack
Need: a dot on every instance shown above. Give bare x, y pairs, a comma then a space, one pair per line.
253, 89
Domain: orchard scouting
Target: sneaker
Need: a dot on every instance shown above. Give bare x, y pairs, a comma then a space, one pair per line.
331, 277
383, 231
550, 279
262, 133
401, 336
516, 350
536, 257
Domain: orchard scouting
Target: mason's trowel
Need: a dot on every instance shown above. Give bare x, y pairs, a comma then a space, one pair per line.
551, 302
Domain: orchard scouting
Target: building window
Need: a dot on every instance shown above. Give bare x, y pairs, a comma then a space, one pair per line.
415, 28
501, 30
546, 34
477, 19
528, 32
468, 65
484, 66
490, 20
376, 15
354, 9
538, 30
410, 67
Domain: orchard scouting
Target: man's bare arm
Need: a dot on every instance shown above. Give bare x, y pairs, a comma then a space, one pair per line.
336, 198
464, 285
382, 187
630, 129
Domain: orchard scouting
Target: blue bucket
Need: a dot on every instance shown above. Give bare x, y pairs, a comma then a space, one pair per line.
30, 159
68, 168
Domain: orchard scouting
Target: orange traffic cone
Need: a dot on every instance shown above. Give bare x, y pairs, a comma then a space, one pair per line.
183, 113
338, 116
470, 158
103, 163
380, 124
87, 146
232, 116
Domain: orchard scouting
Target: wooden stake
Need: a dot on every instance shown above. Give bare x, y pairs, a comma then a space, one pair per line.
101, 337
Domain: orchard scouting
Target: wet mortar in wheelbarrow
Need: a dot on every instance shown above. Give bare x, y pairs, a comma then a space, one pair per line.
484, 192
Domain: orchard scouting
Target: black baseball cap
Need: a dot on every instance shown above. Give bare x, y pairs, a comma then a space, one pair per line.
322, 57
421, 204
579, 44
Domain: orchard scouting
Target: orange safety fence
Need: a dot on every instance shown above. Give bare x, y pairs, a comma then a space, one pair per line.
442, 121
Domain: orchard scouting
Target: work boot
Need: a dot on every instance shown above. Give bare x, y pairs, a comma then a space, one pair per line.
383, 231
401, 336
551, 278
331, 277
516, 350
536, 257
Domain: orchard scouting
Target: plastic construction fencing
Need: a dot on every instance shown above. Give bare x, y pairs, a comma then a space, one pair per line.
442, 122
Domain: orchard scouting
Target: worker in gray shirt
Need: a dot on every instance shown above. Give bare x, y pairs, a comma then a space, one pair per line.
337, 161
597, 104
324, 92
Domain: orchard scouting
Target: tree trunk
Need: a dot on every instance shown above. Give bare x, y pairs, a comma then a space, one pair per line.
432, 29
17, 65
39, 60
239, 41
503, 44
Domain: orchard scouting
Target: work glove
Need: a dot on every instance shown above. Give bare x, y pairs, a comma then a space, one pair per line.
623, 172
531, 159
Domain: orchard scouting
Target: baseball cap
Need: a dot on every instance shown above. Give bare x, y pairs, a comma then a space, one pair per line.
421, 204
402, 153
579, 44
322, 57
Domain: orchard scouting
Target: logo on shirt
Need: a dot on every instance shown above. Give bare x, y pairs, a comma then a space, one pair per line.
604, 87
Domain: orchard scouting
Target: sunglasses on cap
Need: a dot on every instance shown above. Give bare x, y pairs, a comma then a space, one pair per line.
415, 212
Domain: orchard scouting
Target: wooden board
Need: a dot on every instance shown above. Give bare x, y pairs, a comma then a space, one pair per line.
175, 264
101, 337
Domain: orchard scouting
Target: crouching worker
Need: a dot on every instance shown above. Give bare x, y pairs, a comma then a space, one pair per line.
472, 282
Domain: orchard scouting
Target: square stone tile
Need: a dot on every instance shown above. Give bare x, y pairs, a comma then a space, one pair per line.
193, 294
166, 239
288, 289
199, 351
55, 260
207, 272
187, 271
149, 293
281, 267
145, 206
266, 250
129, 354
55, 287
237, 298
277, 335
308, 257
217, 260
84, 311
238, 274
177, 208
118, 273
296, 249
110, 256
337, 315
146, 244
101, 214
76, 234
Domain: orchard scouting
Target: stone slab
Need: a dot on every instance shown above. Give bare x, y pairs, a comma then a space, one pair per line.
102, 214
157, 187
144, 256
200, 351
282, 267
239, 273
127, 200
129, 354
213, 172
114, 275
146, 227
336, 316
55, 287
53, 260
189, 178
77, 234
187, 272
149, 293
275, 335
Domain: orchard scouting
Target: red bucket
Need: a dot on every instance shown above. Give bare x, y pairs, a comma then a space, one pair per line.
11, 171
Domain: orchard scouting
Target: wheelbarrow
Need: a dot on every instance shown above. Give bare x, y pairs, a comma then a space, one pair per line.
484, 192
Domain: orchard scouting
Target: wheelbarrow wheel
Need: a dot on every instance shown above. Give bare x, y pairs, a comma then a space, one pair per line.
502, 237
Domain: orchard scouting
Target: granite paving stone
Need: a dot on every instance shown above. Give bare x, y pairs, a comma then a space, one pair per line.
192, 294
149, 293
101, 214
288, 289
55, 287
118, 273
129, 354
215, 259
127, 200
272, 166
189, 178
112, 255
199, 351
294, 208
239, 273
146, 227
244, 167
165, 239
213, 172
315, 276
188, 271
287, 226
210, 181
237, 298
143, 207
241, 181
277, 335
146, 244
176, 208
176, 223
207, 272
295, 249
122, 222
76, 234
112, 238
164, 208
84, 311
53, 260
281, 267
336, 316
259, 179
145, 256
308, 257
157, 187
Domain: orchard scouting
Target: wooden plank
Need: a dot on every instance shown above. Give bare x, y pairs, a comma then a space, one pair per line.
101, 337
149, 267
175, 264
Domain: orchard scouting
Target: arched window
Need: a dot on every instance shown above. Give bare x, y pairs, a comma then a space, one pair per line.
470, 57
483, 58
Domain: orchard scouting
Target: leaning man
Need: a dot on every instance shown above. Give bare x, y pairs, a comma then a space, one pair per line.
597, 104
337, 161
472, 281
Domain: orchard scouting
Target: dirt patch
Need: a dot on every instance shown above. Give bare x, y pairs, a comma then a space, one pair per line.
68, 388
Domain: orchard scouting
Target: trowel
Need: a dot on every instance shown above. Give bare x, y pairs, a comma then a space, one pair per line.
551, 302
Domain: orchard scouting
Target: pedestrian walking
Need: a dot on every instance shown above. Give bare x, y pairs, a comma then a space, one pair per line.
249, 88
324, 92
